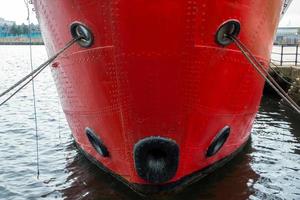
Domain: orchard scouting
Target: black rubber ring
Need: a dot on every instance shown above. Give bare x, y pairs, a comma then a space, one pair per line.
230, 27
156, 159
80, 30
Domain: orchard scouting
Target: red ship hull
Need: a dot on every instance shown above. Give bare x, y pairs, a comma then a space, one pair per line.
153, 76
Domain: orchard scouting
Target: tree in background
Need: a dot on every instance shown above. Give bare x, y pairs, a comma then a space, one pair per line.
13, 29
17, 30
24, 29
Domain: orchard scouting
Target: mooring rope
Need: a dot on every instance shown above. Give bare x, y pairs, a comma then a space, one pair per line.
24, 78
264, 73
59, 122
19, 89
33, 90
281, 76
35, 72
29, 78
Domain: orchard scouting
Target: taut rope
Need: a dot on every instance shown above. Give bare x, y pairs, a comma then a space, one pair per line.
263, 72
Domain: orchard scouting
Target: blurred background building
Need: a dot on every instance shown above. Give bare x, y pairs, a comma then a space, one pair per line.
288, 36
5, 22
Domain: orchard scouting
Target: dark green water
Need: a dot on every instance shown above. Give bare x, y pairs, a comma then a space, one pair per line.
269, 167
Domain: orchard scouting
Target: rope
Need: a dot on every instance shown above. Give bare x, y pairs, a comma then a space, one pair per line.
35, 72
33, 91
29, 78
19, 89
59, 122
280, 76
24, 79
264, 73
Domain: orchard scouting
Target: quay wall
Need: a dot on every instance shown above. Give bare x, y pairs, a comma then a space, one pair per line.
291, 73
20, 41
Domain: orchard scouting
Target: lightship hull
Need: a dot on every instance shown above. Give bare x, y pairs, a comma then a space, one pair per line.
154, 90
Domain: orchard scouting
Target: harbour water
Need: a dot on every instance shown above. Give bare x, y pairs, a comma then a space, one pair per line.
269, 167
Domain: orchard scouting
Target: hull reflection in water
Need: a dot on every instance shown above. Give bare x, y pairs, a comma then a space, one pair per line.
90, 182
154, 93
267, 168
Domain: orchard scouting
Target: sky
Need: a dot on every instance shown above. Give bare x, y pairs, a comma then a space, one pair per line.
15, 10
292, 17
